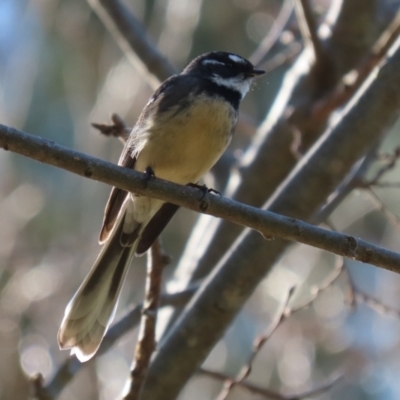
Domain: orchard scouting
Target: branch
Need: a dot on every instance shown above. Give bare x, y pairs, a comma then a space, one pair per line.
257, 347
269, 224
286, 56
390, 163
274, 33
282, 315
351, 182
118, 128
390, 216
352, 81
146, 343
270, 149
37, 391
132, 37
250, 258
358, 296
308, 28
269, 394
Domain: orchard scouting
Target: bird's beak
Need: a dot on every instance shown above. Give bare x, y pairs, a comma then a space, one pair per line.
256, 72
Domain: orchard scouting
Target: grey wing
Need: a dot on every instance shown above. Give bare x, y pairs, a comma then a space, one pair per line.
128, 160
168, 95
155, 227
116, 198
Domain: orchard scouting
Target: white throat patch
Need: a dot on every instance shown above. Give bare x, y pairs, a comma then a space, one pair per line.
238, 83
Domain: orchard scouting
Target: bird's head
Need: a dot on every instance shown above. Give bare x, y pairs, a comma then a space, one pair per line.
225, 69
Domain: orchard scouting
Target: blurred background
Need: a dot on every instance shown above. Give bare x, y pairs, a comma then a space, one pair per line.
60, 70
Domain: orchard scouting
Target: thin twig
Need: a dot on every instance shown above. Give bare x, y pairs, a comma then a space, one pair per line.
286, 56
393, 219
132, 37
274, 33
356, 296
36, 388
117, 129
146, 343
265, 222
282, 315
308, 28
387, 185
391, 161
352, 181
374, 303
269, 394
326, 284
352, 81
246, 370
258, 345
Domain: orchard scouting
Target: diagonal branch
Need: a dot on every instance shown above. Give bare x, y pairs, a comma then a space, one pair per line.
269, 394
308, 28
269, 224
270, 149
132, 37
259, 343
274, 33
301, 195
352, 81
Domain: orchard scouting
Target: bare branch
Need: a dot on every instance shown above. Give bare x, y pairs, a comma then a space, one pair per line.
286, 56
268, 223
302, 194
118, 128
274, 33
361, 297
308, 28
326, 284
356, 296
390, 162
270, 150
352, 81
146, 343
352, 181
391, 217
269, 394
37, 390
284, 313
258, 345
132, 37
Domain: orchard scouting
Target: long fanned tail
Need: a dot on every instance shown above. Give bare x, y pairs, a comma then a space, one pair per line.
91, 310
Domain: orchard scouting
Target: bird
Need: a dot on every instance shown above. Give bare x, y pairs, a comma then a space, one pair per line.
180, 134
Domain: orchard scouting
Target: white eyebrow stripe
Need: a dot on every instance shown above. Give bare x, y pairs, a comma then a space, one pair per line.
237, 59
205, 62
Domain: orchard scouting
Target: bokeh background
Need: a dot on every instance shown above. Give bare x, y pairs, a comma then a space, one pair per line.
60, 70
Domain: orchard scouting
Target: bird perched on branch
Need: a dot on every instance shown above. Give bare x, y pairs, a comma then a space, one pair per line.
181, 133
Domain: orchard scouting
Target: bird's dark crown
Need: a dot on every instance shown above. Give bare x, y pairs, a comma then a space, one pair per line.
221, 64
226, 71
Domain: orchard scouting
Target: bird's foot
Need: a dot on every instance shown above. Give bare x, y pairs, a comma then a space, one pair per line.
204, 189
149, 174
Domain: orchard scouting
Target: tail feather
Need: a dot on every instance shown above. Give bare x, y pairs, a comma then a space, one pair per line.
92, 309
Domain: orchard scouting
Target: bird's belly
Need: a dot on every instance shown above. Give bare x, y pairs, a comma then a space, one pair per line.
182, 148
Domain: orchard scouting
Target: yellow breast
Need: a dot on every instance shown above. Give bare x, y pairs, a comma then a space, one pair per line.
182, 145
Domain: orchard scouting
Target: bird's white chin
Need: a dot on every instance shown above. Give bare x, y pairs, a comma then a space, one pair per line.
239, 83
